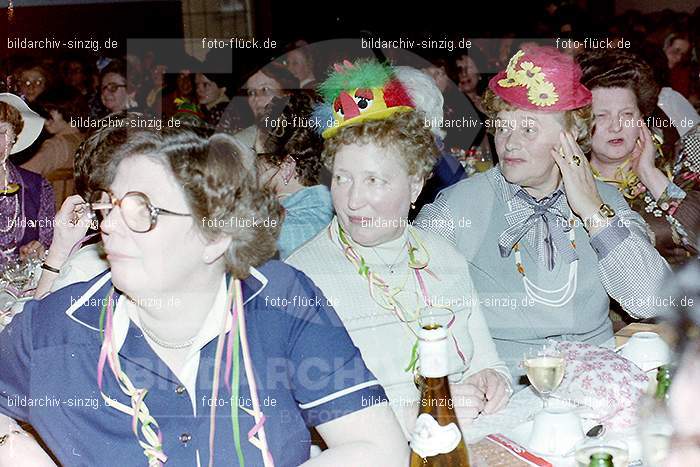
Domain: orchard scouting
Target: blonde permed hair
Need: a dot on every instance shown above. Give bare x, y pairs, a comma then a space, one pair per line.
579, 120
404, 131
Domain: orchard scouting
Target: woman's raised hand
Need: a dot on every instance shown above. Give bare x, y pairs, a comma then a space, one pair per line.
71, 224
581, 190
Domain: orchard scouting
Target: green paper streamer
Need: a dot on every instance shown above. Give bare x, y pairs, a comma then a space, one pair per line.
234, 399
414, 358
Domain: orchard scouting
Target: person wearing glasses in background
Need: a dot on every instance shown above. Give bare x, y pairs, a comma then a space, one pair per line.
116, 91
32, 81
144, 342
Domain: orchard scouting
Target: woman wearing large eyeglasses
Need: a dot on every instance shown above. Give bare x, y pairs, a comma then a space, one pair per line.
194, 349
116, 91
32, 81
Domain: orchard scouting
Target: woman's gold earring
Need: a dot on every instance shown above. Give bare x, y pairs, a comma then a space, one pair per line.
413, 205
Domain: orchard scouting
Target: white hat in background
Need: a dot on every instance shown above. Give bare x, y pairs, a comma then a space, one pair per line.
33, 123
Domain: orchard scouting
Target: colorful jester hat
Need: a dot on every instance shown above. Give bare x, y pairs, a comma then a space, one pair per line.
357, 92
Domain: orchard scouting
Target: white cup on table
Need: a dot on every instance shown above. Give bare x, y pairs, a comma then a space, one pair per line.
556, 431
647, 350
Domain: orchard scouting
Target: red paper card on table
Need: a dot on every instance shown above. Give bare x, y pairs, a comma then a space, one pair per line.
517, 450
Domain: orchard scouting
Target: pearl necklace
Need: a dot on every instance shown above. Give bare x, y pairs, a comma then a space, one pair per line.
535, 292
166, 344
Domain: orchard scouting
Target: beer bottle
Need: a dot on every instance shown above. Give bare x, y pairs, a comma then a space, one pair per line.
601, 459
663, 382
436, 440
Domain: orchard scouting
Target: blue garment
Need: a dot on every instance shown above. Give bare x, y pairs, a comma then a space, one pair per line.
307, 369
306, 212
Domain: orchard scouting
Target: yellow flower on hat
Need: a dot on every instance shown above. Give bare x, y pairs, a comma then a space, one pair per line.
529, 74
509, 81
511, 78
514, 61
542, 94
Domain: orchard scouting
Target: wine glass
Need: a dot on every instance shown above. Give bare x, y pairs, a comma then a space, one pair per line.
545, 368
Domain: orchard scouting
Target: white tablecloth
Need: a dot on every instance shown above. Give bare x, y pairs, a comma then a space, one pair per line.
522, 407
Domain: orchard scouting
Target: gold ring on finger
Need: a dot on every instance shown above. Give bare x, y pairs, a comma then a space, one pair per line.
576, 159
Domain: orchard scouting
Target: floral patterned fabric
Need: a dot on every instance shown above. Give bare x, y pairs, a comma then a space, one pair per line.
600, 379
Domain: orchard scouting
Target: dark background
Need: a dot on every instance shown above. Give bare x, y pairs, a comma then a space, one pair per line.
286, 20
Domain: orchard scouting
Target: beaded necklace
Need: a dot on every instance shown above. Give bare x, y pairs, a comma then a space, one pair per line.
537, 293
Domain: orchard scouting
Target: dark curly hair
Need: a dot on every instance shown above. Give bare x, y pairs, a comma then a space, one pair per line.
617, 68
217, 175
285, 129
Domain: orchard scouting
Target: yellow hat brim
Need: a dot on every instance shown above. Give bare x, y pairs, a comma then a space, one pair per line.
378, 115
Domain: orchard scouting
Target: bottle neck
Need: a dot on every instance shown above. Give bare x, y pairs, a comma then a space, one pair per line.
601, 459
432, 352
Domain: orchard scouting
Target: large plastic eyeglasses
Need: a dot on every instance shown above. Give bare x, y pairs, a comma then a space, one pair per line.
136, 209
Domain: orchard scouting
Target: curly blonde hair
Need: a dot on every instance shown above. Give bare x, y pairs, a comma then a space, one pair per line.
217, 175
580, 120
404, 131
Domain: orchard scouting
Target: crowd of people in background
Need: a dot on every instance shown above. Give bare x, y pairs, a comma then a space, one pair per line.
387, 150
72, 91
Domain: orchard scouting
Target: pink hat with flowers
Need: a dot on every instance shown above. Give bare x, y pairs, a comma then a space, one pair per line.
541, 78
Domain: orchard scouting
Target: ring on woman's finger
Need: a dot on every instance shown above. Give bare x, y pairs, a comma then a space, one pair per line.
577, 160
